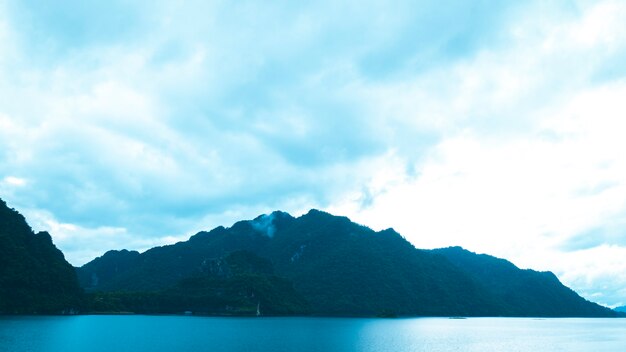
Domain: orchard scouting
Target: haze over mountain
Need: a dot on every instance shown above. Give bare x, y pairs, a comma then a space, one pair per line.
339, 268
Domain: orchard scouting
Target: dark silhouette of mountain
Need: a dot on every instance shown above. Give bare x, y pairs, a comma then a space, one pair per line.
339, 268
111, 264
34, 276
621, 309
523, 293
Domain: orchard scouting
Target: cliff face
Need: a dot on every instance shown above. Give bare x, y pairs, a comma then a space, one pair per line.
34, 275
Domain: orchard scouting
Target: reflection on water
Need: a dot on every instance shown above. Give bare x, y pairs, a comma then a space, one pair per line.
181, 333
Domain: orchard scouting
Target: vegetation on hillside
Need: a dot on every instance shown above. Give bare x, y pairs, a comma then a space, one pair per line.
34, 276
238, 284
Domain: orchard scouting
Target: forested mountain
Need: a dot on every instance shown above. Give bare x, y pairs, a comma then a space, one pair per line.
34, 276
276, 264
336, 267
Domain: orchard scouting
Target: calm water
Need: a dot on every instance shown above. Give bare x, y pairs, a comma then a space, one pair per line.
181, 333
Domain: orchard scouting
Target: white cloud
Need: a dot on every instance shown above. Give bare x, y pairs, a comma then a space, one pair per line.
82, 244
14, 181
596, 273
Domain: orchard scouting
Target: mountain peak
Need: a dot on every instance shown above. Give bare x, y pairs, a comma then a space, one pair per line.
389, 231
320, 215
44, 236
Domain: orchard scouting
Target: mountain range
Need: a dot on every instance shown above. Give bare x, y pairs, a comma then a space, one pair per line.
277, 264
338, 267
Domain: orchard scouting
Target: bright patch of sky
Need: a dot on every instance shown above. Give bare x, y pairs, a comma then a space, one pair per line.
494, 125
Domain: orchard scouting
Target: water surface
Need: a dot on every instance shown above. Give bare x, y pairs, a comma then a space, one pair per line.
184, 333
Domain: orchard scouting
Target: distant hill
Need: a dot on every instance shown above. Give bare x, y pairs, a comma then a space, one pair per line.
336, 267
111, 264
621, 309
34, 276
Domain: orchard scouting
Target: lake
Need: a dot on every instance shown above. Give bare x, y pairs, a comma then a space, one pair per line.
188, 333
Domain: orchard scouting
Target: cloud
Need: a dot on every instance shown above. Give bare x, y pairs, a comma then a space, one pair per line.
595, 273
265, 224
84, 244
14, 181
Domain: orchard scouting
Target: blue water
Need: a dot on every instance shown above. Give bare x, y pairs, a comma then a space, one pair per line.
184, 333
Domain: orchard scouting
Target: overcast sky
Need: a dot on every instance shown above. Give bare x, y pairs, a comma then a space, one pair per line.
495, 125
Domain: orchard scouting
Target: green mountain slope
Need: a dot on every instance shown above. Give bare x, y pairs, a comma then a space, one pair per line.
34, 276
240, 283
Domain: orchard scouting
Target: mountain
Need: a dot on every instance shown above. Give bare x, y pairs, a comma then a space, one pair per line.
523, 293
338, 267
34, 276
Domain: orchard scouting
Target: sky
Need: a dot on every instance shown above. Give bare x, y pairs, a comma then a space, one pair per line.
494, 125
